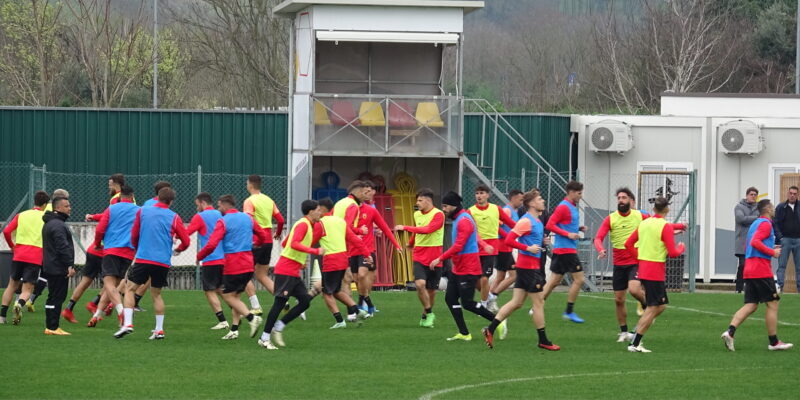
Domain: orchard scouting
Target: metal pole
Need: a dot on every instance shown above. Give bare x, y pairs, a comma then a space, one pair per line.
797, 52
199, 179
155, 53
522, 182
31, 190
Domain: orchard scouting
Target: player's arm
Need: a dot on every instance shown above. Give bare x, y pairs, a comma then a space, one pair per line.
437, 222
9, 229
196, 224
137, 224
384, 227
523, 227
357, 244
259, 234
179, 231
668, 237
605, 227
350, 217
757, 241
213, 241
297, 240
505, 219
248, 208
630, 244
463, 230
560, 215
278, 217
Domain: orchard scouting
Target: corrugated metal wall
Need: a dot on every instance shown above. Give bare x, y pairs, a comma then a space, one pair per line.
157, 142
548, 134
144, 141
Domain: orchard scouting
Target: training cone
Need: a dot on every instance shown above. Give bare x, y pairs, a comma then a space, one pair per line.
316, 275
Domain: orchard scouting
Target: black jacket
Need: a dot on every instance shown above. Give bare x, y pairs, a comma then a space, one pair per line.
57, 247
780, 210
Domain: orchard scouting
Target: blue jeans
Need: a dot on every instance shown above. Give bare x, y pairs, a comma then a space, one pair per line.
789, 245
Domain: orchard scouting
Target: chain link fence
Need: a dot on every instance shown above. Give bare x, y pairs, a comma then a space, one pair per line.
89, 193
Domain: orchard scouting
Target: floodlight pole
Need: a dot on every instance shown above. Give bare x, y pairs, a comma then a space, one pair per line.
155, 53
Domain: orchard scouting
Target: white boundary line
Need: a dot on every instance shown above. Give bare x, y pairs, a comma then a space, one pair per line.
671, 307
430, 395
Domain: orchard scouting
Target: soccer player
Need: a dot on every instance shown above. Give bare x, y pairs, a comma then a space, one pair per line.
296, 248
652, 243
466, 265
58, 261
427, 239
488, 218
759, 285
621, 224
203, 223
24, 237
349, 209
156, 188
152, 236
114, 232
369, 216
331, 232
565, 223
505, 258
235, 233
527, 237
263, 210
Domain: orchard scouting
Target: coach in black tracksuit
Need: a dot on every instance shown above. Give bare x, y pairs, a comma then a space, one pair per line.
58, 260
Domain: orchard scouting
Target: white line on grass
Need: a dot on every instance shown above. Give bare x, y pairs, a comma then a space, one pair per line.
671, 307
430, 395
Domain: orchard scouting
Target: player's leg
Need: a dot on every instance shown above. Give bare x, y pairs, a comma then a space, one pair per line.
262, 256
574, 289
363, 284
538, 321
139, 293
56, 294
38, 287
452, 299
619, 283
466, 292
555, 280
158, 310
8, 296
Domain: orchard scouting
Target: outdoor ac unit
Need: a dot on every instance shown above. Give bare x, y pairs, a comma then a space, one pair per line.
610, 136
740, 137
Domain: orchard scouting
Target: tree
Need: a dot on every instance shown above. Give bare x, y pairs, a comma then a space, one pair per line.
242, 45
31, 50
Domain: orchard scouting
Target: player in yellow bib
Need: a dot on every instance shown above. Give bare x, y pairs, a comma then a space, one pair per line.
263, 210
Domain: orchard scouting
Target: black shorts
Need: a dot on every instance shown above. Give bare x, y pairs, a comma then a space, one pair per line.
211, 276
505, 261
563, 263
262, 254
236, 283
140, 273
624, 274
530, 280
93, 266
25, 272
289, 286
487, 265
115, 266
655, 293
430, 276
761, 290
357, 262
332, 281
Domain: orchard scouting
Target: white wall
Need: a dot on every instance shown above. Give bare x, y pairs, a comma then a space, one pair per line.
776, 106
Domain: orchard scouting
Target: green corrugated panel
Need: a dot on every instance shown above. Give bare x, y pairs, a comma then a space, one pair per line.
548, 134
144, 141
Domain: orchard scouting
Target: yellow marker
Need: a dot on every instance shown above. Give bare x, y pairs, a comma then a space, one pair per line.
762, 195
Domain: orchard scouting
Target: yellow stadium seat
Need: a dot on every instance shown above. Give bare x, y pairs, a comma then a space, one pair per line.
371, 114
320, 114
428, 115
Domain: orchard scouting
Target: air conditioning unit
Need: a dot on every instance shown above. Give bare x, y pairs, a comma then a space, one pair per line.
740, 137
610, 136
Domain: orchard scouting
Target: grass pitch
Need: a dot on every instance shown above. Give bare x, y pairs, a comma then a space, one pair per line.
391, 357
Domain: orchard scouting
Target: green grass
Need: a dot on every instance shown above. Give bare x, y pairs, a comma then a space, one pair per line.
391, 357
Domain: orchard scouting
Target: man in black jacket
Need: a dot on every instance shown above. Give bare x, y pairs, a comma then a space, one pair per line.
787, 234
58, 259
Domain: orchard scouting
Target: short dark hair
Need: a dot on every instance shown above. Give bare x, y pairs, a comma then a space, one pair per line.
793, 187
514, 192
119, 179
227, 199
660, 204
255, 181
627, 192
425, 192
40, 198
308, 205
357, 184
762, 205
326, 202
160, 185
573, 186
126, 191
483, 188
529, 196
58, 200
166, 195
751, 189
204, 197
